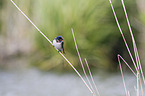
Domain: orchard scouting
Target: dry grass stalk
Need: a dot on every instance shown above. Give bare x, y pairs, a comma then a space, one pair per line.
92, 77
122, 76
141, 85
137, 65
51, 44
137, 91
126, 64
82, 63
123, 35
134, 44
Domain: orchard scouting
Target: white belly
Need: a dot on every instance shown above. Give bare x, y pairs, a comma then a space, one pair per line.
57, 45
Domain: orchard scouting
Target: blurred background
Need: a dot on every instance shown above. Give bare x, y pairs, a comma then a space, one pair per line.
22, 47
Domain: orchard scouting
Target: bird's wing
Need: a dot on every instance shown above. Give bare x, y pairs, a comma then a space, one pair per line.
62, 44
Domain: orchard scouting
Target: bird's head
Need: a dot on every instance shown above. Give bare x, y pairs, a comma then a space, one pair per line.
59, 38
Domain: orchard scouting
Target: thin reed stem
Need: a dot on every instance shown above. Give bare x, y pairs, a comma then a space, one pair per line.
122, 76
137, 65
141, 85
123, 35
81, 61
133, 41
127, 64
141, 70
31, 22
137, 91
128, 93
92, 77
54, 47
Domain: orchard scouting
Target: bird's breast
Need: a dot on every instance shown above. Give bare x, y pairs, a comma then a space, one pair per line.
57, 45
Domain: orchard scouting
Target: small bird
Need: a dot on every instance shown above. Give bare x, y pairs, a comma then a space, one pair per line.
58, 43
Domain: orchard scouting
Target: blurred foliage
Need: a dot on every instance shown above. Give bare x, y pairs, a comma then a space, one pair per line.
94, 26
96, 32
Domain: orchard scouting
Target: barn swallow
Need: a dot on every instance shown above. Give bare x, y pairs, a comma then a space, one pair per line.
58, 43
